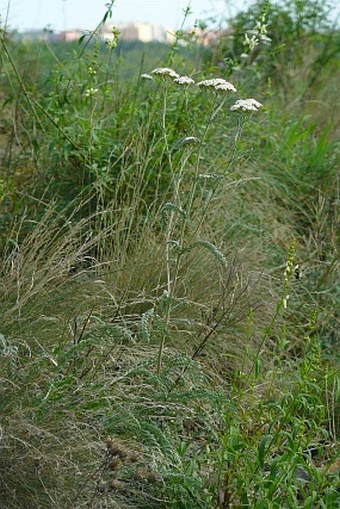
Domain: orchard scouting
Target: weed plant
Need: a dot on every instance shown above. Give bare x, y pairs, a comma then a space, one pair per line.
169, 272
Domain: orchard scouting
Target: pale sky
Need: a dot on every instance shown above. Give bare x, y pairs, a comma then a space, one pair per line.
86, 14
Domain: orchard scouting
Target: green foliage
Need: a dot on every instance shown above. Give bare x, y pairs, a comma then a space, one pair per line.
169, 271
276, 39
270, 458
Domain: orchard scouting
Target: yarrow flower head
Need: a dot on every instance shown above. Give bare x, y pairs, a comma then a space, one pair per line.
184, 80
218, 84
211, 83
165, 71
225, 87
246, 105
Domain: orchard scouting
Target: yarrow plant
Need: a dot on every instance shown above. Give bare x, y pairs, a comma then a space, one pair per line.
178, 212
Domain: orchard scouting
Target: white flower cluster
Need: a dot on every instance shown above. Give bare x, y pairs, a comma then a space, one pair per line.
184, 80
261, 29
246, 105
165, 71
261, 26
225, 87
218, 84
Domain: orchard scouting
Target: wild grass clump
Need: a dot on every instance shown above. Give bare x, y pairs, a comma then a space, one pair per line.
168, 284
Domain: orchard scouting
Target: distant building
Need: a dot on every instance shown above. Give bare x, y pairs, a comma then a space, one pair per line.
201, 37
33, 35
135, 32
50, 35
206, 37
72, 35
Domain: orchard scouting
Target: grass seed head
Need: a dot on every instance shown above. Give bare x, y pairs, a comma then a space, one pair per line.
115, 464
134, 457
116, 448
116, 485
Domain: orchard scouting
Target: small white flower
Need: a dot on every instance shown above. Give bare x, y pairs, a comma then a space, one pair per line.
165, 71
184, 80
261, 27
146, 77
207, 176
89, 92
191, 139
111, 43
285, 301
297, 272
288, 270
251, 42
113, 40
246, 105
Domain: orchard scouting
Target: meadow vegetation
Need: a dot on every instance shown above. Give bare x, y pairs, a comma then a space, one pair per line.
169, 289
